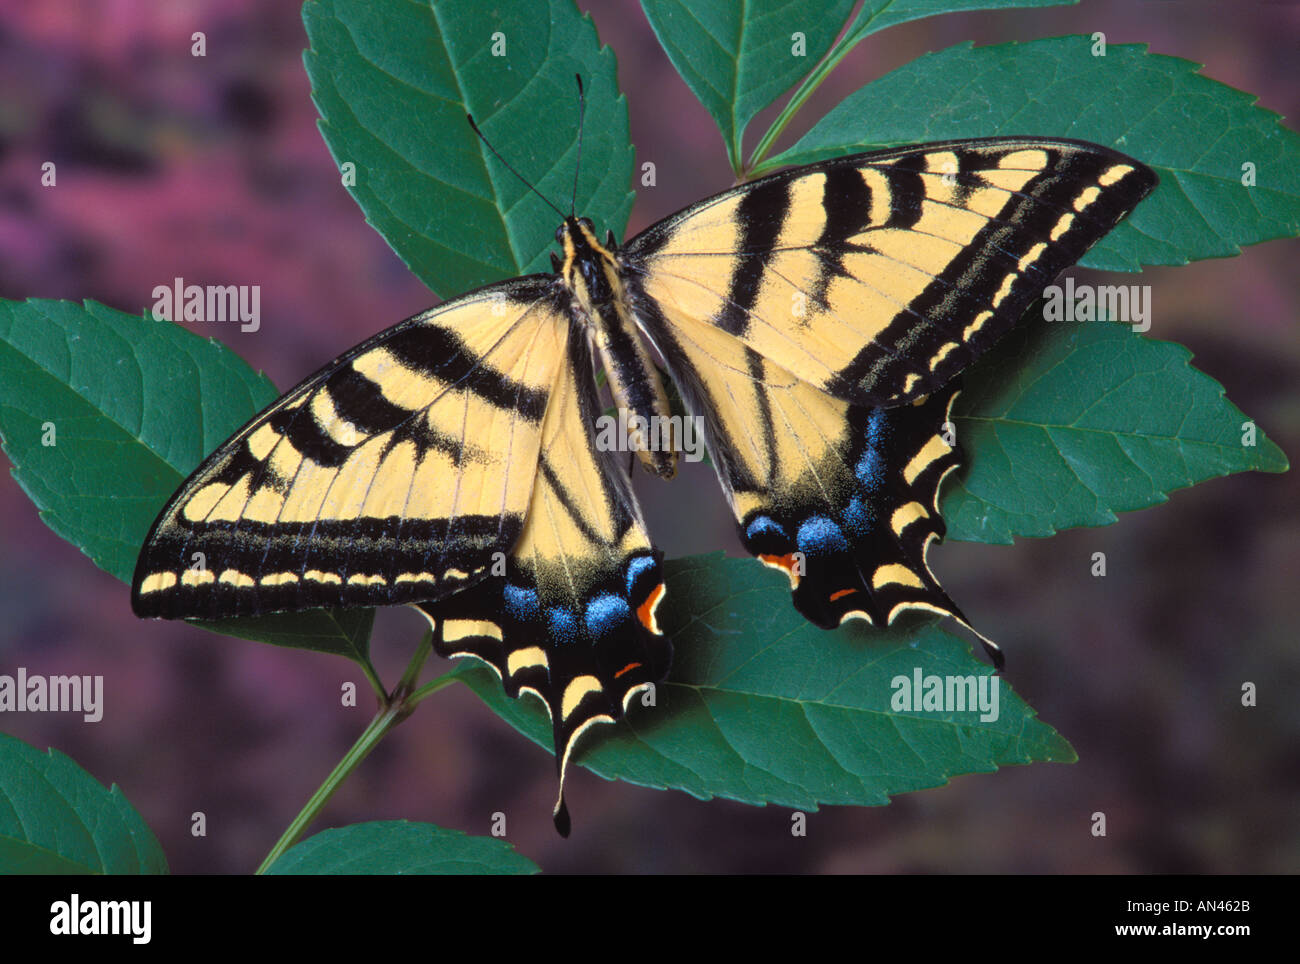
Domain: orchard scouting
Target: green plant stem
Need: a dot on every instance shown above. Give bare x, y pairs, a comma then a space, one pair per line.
368, 668
384, 720
810, 84
412, 674
392, 710
431, 687
857, 32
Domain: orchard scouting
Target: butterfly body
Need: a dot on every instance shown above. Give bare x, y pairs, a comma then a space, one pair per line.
815, 322
593, 277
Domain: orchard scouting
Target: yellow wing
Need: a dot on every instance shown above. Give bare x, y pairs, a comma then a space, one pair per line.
448, 462
801, 313
877, 277
390, 476
571, 617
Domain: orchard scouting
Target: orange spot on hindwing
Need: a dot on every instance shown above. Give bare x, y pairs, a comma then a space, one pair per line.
646, 611
786, 564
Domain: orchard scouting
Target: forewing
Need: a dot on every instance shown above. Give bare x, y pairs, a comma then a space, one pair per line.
390, 476
878, 277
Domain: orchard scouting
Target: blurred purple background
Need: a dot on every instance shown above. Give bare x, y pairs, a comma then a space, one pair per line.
212, 169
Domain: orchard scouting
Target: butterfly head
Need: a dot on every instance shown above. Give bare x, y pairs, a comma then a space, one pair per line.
588, 268
583, 254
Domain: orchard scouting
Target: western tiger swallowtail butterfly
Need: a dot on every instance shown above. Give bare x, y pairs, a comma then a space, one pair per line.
813, 319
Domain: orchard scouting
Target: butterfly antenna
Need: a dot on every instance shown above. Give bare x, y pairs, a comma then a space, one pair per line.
474, 127
582, 113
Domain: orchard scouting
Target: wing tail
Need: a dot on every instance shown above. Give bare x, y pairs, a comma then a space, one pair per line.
571, 616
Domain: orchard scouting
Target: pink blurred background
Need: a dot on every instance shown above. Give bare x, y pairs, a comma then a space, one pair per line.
212, 169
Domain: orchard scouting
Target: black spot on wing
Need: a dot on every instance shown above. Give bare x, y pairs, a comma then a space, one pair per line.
906, 191
571, 505
361, 402
434, 351
846, 204
417, 430
761, 213
766, 424
307, 435
967, 179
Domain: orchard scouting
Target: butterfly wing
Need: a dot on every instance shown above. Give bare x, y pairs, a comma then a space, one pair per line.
877, 277
390, 476
842, 498
816, 319
571, 618
448, 462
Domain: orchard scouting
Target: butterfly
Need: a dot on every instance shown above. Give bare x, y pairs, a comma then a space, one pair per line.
813, 321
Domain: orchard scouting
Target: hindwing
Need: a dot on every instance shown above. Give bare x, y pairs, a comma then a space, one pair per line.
878, 277
572, 617
842, 498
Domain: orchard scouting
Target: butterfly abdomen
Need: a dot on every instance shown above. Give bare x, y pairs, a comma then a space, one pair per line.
592, 273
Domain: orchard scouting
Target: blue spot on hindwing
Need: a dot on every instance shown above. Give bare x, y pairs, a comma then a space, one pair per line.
606, 613
636, 566
765, 525
870, 468
819, 534
858, 516
877, 422
563, 624
521, 603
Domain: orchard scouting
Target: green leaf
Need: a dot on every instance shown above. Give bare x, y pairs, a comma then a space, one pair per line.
739, 57
130, 402
55, 818
1067, 423
1196, 132
393, 81
763, 707
343, 632
876, 15
133, 405
401, 847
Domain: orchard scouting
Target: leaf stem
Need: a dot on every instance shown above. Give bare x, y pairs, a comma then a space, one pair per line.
393, 708
856, 34
806, 89
431, 687
412, 674
368, 668
388, 717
